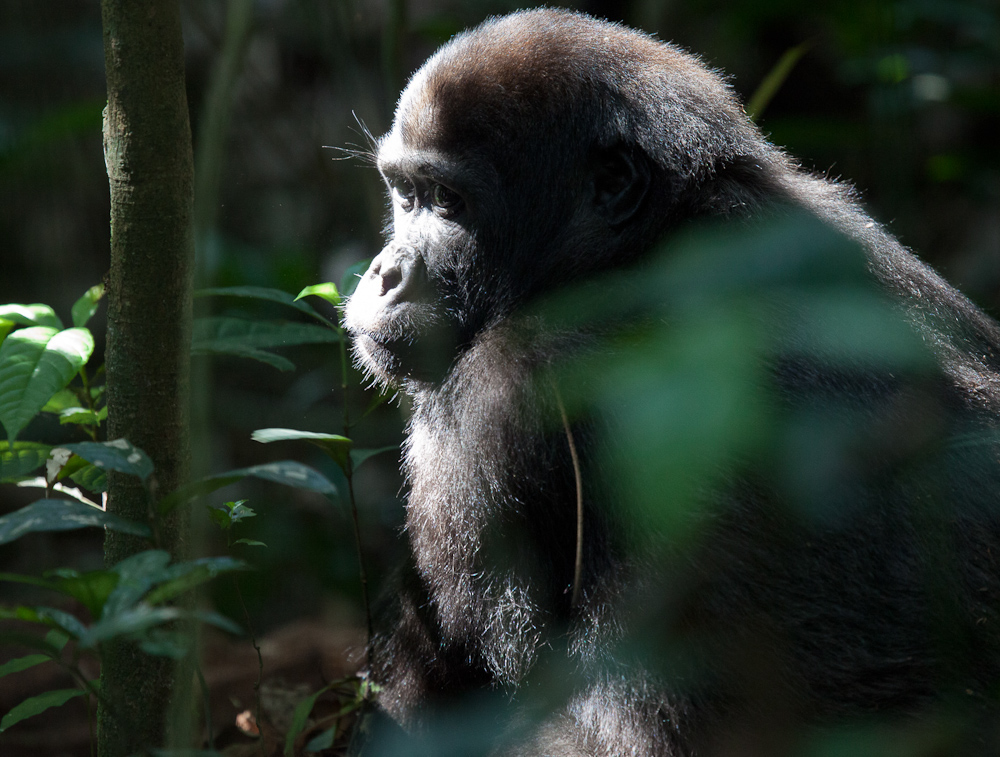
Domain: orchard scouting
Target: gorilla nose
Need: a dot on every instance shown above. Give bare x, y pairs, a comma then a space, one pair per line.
400, 271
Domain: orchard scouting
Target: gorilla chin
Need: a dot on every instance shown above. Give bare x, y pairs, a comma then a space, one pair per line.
397, 328
546, 149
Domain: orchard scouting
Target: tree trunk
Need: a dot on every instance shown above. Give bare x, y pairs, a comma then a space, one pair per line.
147, 148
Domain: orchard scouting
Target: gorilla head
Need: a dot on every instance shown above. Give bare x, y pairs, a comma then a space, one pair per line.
547, 148
539, 149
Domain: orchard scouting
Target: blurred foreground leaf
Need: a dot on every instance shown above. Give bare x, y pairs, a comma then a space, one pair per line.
63, 515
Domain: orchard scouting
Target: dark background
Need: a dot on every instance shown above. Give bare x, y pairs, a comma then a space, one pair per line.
901, 98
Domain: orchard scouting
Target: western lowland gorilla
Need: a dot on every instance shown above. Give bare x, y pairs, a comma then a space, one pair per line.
596, 263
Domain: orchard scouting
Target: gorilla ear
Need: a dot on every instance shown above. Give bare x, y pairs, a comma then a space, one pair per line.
621, 180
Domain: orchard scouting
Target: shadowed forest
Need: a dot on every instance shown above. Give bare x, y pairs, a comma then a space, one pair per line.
900, 98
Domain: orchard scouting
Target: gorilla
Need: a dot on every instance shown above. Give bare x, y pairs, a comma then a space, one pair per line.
547, 151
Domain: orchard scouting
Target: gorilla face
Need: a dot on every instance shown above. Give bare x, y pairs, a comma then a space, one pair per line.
494, 201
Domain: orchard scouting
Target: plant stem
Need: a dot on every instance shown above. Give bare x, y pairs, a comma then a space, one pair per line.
349, 474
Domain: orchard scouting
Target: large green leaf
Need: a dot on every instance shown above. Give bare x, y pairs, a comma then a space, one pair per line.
63, 515
38, 704
236, 350
263, 293
117, 455
137, 574
35, 363
91, 588
149, 575
259, 334
31, 315
240, 337
142, 617
287, 472
47, 616
336, 446
185, 576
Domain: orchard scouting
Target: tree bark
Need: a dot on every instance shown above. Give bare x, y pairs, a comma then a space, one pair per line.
147, 148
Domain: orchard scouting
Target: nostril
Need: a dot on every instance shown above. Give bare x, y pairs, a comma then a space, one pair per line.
391, 278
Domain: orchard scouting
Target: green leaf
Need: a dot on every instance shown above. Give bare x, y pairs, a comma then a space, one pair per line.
352, 276
245, 333
63, 620
327, 291
20, 578
117, 455
149, 577
20, 459
220, 517
63, 515
299, 718
22, 663
336, 446
61, 400
38, 704
57, 639
31, 315
187, 575
31, 641
292, 473
79, 415
137, 574
160, 642
85, 307
217, 620
5, 328
358, 456
775, 78
263, 293
48, 616
139, 619
377, 401
323, 740
35, 363
90, 477
230, 513
250, 543
239, 511
287, 472
233, 350
239, 337
133, 620
91, 588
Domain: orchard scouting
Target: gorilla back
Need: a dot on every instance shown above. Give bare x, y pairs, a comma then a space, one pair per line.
837, 563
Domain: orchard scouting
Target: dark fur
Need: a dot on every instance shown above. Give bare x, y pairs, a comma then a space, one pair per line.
576, 146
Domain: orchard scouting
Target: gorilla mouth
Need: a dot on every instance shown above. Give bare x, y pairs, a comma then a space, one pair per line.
378, 357
392, 360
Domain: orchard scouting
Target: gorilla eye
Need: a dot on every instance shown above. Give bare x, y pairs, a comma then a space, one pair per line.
444, 198
405, 193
